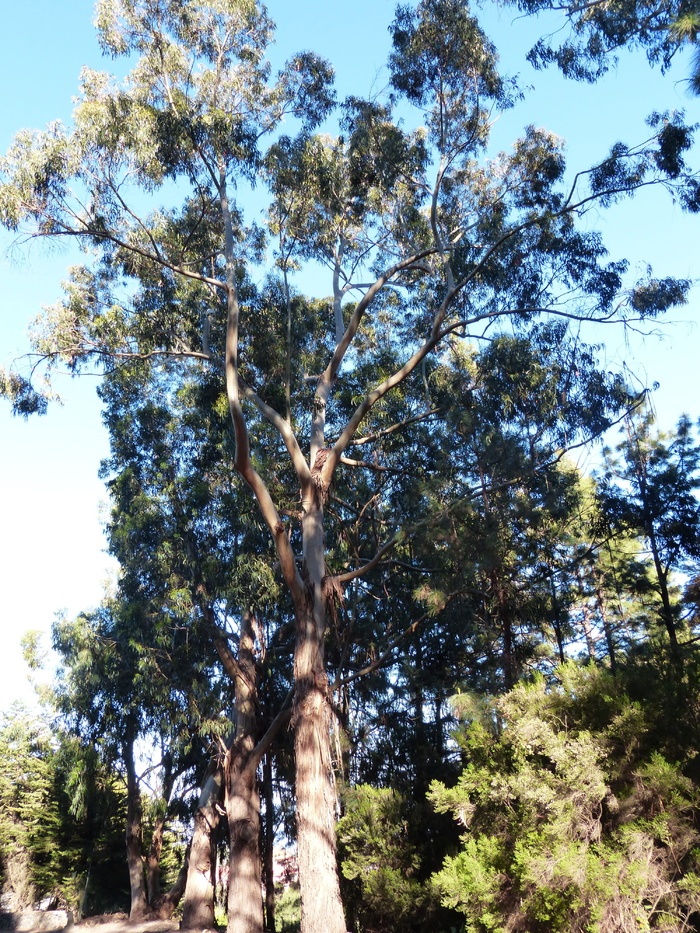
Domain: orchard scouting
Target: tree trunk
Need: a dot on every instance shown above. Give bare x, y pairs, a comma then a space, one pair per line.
164, 907
153, 862
269, 845
321, 907
198, 907
421, 742
134, 836
505, 618
667, 610
245, 909
587, 629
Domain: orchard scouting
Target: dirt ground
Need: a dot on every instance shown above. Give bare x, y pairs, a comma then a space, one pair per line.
119, 924
41, 922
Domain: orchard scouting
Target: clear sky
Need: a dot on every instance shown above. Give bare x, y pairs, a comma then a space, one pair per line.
51, 501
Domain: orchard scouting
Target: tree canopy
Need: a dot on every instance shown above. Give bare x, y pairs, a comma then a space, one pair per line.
401, 428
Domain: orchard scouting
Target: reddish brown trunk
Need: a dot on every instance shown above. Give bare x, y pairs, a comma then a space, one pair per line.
321, 907
245, 909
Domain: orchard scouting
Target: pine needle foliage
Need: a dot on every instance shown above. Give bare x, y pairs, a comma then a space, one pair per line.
569, 827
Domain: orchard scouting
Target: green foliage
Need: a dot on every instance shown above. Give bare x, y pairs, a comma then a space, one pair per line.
29, 810
650, 491
287, 909
414, 489
61, 820
584, 47
380, 860
569, 825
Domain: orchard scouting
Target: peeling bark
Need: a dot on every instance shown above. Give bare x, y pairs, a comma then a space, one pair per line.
321, 910
321, 906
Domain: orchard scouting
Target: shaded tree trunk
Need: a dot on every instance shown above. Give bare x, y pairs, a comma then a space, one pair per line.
269, 845
153, 861
242, 802
134, 835
198, 907
245, 909
154, 853
667, 610
601, 603
587, 629
421, 742
166, 903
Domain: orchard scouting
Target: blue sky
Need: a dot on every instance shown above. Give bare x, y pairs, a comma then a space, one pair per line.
51, 501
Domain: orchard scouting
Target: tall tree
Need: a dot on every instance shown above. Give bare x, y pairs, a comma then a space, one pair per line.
189, 550
650, 490
417, 230
124, 677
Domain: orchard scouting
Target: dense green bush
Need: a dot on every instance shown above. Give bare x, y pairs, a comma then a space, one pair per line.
571, 824
384, 882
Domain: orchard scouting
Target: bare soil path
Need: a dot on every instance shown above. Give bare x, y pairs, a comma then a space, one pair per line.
58, 921
118, 923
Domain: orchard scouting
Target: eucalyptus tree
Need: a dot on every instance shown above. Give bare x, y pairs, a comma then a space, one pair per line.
586, 37
415, 228
128, 684
190, 551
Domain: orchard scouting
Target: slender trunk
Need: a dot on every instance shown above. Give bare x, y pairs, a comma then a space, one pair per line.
156, 899
587, 628
198, 907
245, 910
134, 836
607, 627
439, 753
556, 622
667, 609
421, 735
269, 845
505, 619
165, 905
153, 862
559, 636
667, 616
